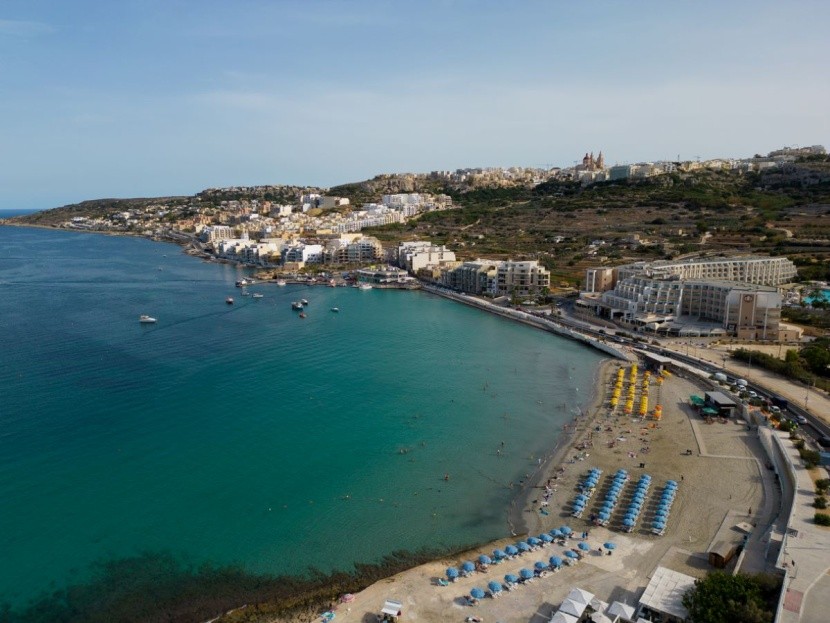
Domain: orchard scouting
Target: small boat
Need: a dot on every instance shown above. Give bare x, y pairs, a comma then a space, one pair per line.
365, 286
144, 319
296, 305
302, 315
281, 282
257, 295
241, 283
304, 301
335, 309
229, 300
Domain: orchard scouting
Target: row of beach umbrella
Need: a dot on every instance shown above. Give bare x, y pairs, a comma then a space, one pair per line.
637, 501
612, 496
510, 551
661, 515
587, 488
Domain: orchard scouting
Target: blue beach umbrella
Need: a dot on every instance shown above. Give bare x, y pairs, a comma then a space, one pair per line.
658, 525
484, 559
571, 554
556, 532
628, 522
546, 537
468, 566
645, 477
452, 573
581, 498
498, 554
604, 515
511, 578
671, 483
477, 593
609, 545
533, 541
523, 547
540, 566
555, 561
511, 550
494, 586
526, 574
566, 530
584, 546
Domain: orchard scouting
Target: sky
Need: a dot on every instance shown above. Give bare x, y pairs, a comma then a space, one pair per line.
137, 98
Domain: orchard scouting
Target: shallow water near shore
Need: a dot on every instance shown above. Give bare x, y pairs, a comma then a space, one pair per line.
244, 434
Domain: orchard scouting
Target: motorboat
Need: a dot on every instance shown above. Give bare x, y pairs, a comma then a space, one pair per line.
302, 315
281, 282
304, 301
296, 305
242, 283
257, 295
229, 300
144, 319
365, 286
335, 309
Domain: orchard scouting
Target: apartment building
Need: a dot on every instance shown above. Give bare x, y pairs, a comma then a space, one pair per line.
525, 278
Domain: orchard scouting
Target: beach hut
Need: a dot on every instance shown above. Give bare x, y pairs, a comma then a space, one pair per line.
391, 610
574, 608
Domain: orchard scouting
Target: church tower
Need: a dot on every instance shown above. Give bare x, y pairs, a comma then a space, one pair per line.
600, 162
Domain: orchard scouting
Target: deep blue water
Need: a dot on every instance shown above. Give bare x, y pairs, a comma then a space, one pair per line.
243, 434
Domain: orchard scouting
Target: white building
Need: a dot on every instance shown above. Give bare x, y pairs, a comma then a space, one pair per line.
524, 278
215, 233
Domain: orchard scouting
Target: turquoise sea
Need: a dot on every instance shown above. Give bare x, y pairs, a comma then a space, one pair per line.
242, 434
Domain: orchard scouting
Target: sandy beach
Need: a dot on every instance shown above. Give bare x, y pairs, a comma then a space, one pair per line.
720, 479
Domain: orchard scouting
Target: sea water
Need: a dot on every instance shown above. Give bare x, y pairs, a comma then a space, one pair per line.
243, 434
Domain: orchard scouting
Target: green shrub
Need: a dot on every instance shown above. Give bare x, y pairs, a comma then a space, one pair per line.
822, 519
820, 502
822, 485
799, 445
811, 458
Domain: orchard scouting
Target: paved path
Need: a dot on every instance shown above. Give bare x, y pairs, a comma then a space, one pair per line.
806, 550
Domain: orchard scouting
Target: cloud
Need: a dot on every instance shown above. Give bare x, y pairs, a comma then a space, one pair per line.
22, 28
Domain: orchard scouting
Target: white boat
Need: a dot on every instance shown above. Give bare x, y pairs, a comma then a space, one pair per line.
241, 283
144, 319
257, 295
229, 300
296, 305
281, 282
335, 309
304, 301
365, 286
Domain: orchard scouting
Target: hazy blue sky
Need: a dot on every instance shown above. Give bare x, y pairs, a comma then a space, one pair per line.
124, 98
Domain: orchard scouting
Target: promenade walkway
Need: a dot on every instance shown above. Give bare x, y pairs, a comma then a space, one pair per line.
806, 551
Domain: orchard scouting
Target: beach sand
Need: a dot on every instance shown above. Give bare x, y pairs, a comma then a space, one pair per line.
720, 475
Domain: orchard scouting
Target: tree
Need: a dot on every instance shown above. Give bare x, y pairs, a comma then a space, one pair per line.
724, 598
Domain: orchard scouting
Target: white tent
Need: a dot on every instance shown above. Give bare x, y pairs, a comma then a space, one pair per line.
598, 617
561, 617
569, 606
580, 596
619, 609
